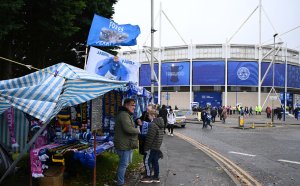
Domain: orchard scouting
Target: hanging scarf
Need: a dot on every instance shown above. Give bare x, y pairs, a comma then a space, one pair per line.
10, 117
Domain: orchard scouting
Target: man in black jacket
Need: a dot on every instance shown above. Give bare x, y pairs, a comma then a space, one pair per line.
213, 113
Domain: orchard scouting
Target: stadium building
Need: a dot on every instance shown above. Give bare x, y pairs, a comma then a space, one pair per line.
219, 74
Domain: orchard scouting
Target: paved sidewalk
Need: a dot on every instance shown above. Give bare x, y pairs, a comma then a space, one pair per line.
257, 120
183, 164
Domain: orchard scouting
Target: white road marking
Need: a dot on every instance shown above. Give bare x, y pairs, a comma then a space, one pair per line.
244, 154
295, 162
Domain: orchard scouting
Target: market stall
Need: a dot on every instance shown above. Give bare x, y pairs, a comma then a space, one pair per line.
45, 93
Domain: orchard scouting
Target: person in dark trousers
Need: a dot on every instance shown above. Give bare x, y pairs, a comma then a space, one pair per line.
153, 143
224, 115
296, 112
268, 111
208, 120
171, 121
204, 117
279, 112
213, 113
163, 112
143, 122
220, 112
250, 111
126, 138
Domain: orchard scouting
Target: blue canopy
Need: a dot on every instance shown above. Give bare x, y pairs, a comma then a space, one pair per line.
44, 93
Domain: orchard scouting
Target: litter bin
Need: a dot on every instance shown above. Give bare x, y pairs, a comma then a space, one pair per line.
241, 121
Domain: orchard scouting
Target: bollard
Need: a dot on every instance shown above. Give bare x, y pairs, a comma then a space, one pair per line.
241, 122
253, 125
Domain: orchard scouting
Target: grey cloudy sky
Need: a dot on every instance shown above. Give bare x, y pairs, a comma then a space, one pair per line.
212, 21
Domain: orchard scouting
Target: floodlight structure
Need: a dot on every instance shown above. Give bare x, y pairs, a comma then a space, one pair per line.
275, 51
154, 78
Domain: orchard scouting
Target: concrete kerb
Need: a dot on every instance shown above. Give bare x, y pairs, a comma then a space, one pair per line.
255, 121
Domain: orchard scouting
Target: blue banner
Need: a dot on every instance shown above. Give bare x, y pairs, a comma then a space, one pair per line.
175, 73
293, 76
145, 74
279, 74
105, 32
242, 73
289, 98
209, 73
268, 79
111, 67
213, 99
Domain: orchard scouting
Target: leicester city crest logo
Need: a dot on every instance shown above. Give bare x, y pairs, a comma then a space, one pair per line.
243, 73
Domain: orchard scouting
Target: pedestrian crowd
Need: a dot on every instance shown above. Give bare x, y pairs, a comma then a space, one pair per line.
146, 133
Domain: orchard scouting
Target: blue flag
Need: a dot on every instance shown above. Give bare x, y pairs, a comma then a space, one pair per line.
105, 32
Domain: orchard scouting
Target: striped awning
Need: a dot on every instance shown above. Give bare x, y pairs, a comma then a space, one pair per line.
44, 93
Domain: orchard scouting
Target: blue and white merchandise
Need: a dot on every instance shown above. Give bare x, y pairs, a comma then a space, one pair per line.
112, 67
144, 128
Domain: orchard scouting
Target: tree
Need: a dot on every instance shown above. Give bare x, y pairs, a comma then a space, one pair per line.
42, 33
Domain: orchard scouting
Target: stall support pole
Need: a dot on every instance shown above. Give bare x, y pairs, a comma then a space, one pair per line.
26, 148
95, 168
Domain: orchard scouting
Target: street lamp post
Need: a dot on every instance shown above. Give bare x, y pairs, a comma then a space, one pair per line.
236, 93
167, 96
273, 77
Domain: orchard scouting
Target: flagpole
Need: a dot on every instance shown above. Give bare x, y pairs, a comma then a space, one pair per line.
159, 59
85, 56
191, 74
285, 83
152, 43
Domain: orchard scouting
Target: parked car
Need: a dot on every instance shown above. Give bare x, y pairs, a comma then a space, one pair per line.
180, 118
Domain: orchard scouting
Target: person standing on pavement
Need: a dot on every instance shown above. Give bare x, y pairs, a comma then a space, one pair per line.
220, 112
224, 114
250, 111
126, 138
268, 111
163, 112
171, 121
208, 120
213, 113
204, 117
259, 109
153, 142
144, 122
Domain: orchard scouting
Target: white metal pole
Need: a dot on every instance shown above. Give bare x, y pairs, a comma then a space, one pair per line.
152, 45
226, 75
191, 74
86, 56
285, 82
159, 58
259, 58
139, 61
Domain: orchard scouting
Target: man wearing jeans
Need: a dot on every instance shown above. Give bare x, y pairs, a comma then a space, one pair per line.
126, 138
153, 142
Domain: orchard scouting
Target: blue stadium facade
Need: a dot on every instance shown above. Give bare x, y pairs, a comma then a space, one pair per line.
203, 67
